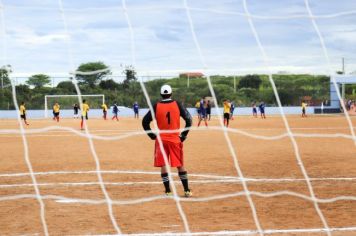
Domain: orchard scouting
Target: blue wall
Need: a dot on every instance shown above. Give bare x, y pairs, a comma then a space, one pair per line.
127, 112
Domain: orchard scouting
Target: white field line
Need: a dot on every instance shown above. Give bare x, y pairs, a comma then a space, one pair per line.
205, 176
193, 199
62, 129
114, 136
214, 181
112, 183
213, 117
248, 232
137, 133
243, 232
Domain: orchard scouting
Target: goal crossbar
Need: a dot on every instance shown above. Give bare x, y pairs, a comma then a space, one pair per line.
73, 95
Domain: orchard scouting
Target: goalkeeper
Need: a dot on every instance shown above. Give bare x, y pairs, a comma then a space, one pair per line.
167, 113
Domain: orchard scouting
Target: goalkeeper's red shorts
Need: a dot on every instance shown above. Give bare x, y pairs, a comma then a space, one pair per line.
174, 152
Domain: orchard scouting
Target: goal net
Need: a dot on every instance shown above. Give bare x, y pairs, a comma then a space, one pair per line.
283, 174
67, 101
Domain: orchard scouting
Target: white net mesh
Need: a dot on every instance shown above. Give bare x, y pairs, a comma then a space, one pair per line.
134, 50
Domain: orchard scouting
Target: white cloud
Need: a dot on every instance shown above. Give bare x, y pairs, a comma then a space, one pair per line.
25, 36
163, 40
37, 40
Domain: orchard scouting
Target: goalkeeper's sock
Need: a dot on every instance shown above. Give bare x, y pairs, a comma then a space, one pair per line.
184, 178
165, 181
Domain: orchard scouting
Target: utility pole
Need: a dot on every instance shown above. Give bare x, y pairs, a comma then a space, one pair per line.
343, 84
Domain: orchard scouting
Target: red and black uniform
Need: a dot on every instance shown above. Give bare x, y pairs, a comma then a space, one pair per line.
167, 114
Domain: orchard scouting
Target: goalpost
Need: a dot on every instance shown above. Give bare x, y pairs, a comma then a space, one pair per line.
64, 96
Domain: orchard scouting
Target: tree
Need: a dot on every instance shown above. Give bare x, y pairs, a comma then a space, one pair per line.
250, 81
22, 89
130, 74
99, 69
109, 84
38, 80
130, 84
286, 97
66, 86
4, 75
5, 94
249, 93
24, 93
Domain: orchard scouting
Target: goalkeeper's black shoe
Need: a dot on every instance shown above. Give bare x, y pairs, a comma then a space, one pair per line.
188, 193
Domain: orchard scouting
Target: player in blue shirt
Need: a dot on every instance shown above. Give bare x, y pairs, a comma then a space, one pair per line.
208, 110
254, 110
135, 107
262, 110
115, 110
232, 108
203, 113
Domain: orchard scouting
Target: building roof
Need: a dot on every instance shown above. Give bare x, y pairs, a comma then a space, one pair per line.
192, 74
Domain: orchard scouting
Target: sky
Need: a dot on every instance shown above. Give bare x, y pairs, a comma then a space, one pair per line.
164, 37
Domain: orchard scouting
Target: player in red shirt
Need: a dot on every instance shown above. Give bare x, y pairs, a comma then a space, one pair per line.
167, 113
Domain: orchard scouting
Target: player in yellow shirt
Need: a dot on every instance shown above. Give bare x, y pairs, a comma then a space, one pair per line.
85, 110
56, 108
105, 110
23, 112
227, 107
304, 106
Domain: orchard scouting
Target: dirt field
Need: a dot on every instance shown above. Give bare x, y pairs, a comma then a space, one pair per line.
65, 167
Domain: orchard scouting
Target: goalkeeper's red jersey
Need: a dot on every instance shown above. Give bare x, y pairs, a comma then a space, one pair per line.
167, 113
168, 119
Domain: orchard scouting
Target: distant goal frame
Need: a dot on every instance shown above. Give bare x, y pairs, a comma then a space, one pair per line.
63, 95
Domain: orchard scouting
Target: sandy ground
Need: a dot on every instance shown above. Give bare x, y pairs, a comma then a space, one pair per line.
64, 166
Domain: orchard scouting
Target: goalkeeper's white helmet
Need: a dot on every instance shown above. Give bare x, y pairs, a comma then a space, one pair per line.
166, 90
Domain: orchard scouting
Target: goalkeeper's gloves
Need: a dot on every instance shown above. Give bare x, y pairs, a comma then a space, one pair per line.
182, 138
152, 136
